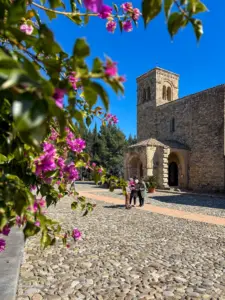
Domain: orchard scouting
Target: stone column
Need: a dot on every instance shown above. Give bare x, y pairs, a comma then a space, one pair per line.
163, 154
150, 151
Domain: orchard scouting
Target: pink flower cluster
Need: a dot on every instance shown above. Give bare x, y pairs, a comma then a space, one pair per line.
73, 80
28, 29
76, 234
46, 162
111, 119
75, 144
59, 96
111, 71
54, 135
50, 161
5, 231
105, 12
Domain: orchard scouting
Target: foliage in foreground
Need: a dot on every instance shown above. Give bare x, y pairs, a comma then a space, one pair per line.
41, 151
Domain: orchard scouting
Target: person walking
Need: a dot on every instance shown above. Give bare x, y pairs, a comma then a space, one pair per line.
142, 193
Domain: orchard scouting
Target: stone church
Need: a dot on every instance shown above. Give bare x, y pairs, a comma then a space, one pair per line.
180, 141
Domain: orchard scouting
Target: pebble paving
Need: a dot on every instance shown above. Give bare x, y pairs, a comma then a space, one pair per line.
126, 255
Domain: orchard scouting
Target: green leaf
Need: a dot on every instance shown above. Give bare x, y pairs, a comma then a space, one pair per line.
3, 159
150, 9
17, 11
90, 95
97, 66
46, 239
121, 25
30, 229
76, 19
167, 7
51, 14
81, 49
80, 164
74, 205
195, 7
198, 28
175, 22
88, 121
115, 7
102, 93
55, 3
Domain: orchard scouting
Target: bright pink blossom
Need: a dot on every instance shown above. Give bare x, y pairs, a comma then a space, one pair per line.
93, 5
100, 170
72, 172
37, 223
127, 26
105, 12
2, 245
111, 26
46, 162
6, 230
122, 78
75, 144
112, 119
110, 68
58, 96
54, 135
136, 14
28, 29
73, 80
93, 165
41, 202
127, 6
76, 234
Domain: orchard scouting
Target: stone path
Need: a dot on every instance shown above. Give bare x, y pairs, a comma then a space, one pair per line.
160, 210
126, 255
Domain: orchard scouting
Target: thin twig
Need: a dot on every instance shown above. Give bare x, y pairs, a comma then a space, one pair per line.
64, 12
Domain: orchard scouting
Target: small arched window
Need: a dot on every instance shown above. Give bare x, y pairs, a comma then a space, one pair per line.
172, 125
144, 95
149, 93
169, 93
164, 93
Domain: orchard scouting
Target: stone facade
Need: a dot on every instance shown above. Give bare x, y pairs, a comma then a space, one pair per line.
186, 135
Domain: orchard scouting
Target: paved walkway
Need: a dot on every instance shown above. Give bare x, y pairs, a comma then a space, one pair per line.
160, 210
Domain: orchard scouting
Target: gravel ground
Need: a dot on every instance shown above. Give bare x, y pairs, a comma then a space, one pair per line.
126, 254
206, 205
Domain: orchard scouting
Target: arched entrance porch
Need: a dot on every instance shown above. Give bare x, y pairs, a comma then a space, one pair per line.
135, 167
173, 170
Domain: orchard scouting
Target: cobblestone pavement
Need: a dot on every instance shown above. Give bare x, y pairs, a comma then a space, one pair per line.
208, 205
126, 254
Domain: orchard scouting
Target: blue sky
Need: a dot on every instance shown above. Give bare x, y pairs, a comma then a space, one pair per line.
200, 65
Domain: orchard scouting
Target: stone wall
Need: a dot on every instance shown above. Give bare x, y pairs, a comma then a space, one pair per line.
199, 123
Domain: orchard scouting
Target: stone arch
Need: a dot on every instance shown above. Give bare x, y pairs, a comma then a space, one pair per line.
169, 93
176, 168
135, 167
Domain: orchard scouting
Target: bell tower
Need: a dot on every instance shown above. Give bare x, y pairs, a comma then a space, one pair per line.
154, 88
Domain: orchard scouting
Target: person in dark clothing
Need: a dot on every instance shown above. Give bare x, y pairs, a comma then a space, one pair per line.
134, 192
142, 192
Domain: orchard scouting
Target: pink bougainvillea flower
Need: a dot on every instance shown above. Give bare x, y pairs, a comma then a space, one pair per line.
73, 80
2, 245
100, 170
58, 96
37, 223
122, 78
93, 165
72, 172
93, 5
54, 135
5, 230
112, 119
110, 68
127, 26
111, 26
76, 234
75, 144
105, 12
41, 202
136, 14
127, 6
28, 29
